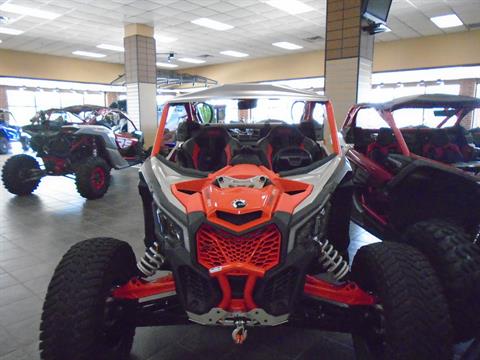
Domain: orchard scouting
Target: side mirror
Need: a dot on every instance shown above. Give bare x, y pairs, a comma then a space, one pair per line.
205, 112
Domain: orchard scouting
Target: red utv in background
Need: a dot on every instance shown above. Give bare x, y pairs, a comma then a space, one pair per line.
415, 184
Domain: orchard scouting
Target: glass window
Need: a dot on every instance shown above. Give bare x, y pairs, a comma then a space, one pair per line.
476, 114
176, 114
94, 99
21, 98
47, 100
22, 114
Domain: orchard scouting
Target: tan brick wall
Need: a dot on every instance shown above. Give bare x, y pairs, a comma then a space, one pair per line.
467, 88
3, 98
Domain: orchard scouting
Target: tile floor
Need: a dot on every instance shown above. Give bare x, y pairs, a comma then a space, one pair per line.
36, 230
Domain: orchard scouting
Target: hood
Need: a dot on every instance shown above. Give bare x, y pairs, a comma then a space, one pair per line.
241, 196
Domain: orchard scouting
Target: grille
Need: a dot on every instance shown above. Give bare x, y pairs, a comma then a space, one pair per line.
260, 247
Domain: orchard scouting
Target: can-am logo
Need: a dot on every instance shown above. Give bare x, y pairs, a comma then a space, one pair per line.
239, 203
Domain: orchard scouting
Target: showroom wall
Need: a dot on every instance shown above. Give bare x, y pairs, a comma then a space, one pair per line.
31, 65
460, 48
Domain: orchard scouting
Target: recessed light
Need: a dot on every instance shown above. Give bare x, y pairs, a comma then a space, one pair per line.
10, 31
287, 45
212, 24
446, 21
191, 60
88, 54
111, 47
165, 39
293, 7
233, 53
166, 65
28, 11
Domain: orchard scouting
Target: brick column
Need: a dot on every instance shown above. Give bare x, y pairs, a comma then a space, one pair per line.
141, 78
467, 88
348, 56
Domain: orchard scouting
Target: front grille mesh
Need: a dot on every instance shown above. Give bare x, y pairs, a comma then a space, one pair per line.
260, 247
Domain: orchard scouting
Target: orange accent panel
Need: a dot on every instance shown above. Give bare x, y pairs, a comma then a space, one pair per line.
138, 288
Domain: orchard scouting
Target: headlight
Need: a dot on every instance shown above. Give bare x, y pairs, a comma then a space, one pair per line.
166, 230
314, 227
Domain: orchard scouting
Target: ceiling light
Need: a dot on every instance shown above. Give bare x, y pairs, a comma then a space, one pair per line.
111, 47
233, 53
165, 39
28, 11
1, 41
384, 28
293, 7
191, 60
212, 24
166, 65
446, 21
10, 31
287, 45
88, 54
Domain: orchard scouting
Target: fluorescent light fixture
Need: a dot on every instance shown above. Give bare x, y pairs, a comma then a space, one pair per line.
293, 7
385, 28
233, 53
191, 60
28, 11
111, 47
212, 24
88, 54
1, 41
164, 38
166, 65
446, 21
10, 31
287, 45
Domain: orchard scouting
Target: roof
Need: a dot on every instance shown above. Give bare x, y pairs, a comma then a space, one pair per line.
427, 101
76, 109
248, 91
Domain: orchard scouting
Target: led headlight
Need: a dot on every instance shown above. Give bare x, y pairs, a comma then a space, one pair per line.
167, 230
314, 228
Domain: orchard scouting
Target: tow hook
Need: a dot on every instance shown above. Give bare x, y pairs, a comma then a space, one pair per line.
239, 335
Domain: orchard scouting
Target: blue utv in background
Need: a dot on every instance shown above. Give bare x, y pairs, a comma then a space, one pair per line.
9, 132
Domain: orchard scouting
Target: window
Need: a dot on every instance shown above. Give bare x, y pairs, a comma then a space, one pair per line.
25, 104
369, 118
476, 113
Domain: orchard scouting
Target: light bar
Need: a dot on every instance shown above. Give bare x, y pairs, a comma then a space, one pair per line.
212, 24
293, 7
446, 21
234, 53
10, 31
111, 47
28, 11
287, 45
191, 60
166, 65
88, 54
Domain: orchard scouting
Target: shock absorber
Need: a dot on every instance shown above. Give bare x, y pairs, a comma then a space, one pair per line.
329, 258
151, 261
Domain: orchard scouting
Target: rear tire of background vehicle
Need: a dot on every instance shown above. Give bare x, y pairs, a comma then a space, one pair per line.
78, 321
93, 178
4, 145
457, 263
16, 168
25, 143
415, 322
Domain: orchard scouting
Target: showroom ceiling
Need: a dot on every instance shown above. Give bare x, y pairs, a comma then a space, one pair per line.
84, 24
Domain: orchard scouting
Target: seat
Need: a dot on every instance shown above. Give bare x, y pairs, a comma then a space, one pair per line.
440, 148
283, 137
311, 129
210, 149
385, 144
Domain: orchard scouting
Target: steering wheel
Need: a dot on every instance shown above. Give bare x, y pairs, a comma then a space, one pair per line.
291, 158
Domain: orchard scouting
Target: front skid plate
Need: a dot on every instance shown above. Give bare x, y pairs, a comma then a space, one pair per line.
255, 317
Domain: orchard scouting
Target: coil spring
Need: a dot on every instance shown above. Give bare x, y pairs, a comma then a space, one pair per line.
332, 261
151, 261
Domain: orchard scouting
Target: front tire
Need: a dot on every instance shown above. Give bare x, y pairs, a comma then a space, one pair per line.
4, 145
457, 263
16, 170
93, 178
77, 321
412, 320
